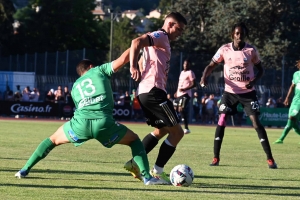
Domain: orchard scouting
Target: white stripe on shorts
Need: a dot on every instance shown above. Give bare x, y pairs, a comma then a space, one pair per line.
169, 113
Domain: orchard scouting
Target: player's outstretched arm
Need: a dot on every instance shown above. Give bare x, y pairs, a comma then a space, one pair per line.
121, 61
287, 98
136, 45
207, 71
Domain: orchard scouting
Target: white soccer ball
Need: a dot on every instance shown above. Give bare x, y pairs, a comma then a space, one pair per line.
181, 176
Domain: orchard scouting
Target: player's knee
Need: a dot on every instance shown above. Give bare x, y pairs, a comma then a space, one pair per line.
222, 120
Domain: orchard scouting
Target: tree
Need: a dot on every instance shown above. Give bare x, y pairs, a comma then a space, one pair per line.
123, 34
59, 25
6, 29
210, 26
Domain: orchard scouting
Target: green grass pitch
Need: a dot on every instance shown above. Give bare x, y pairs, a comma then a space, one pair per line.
94, 172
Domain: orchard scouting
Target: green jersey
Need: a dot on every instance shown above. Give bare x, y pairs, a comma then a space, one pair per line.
92, 93
296, 81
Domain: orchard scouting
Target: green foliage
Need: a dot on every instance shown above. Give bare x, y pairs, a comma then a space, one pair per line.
59, 25
6, 19
272, 24
147, 5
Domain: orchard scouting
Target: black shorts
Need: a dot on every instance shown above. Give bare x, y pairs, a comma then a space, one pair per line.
182, 101
248, 100
158, 109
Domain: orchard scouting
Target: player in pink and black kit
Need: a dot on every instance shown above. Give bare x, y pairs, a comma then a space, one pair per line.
158, 110
239, 59
187, 81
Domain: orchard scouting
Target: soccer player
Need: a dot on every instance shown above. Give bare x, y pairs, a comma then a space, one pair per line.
93, 119
187, 81
158, 110
294, 108
239, 59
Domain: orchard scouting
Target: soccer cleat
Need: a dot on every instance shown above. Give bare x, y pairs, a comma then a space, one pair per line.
21, 174
134, 169
215, 162
153, 181
186, 131
163, 177
279, 141
272, 164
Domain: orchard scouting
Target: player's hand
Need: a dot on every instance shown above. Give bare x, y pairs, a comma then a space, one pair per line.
286, 102
179, 109
250, 84
203, 83
135, 74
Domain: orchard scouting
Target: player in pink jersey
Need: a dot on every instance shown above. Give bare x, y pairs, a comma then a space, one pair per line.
158, 110
187, 81
239, 59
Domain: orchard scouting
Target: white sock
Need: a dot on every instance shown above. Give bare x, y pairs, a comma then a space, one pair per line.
168, 143
157, 169
153, 135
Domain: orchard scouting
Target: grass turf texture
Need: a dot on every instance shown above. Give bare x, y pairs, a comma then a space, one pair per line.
94, 172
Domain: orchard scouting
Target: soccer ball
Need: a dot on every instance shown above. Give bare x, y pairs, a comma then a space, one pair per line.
181, 176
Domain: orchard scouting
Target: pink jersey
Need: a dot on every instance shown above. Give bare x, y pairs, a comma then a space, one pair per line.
186, 79
156, 59
238, 66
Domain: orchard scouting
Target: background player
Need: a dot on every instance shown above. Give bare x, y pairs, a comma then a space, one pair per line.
239, 59
187, 80
294, 108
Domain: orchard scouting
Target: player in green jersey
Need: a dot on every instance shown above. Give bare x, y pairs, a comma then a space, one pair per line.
294, 108
93, 119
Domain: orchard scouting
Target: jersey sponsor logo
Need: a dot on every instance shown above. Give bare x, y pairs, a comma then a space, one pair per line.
238, 73
16, 108
89, 101
156, 34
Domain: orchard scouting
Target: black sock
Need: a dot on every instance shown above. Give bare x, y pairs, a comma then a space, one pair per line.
185, 120
262, 136
149, 142
165, 153
219, 134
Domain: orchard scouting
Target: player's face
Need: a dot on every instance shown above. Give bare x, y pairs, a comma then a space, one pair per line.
298, 64
186, 65
176, 30
238, 35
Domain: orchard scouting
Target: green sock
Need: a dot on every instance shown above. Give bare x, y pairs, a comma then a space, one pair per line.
286, 129
140, 157
41, 152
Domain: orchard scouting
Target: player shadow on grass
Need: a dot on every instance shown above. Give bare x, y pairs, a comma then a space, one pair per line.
170, 188
50, 171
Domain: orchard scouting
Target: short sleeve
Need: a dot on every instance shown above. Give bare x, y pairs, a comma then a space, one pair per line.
255, 57
158, 38
106, 69
192, 75
218, 57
